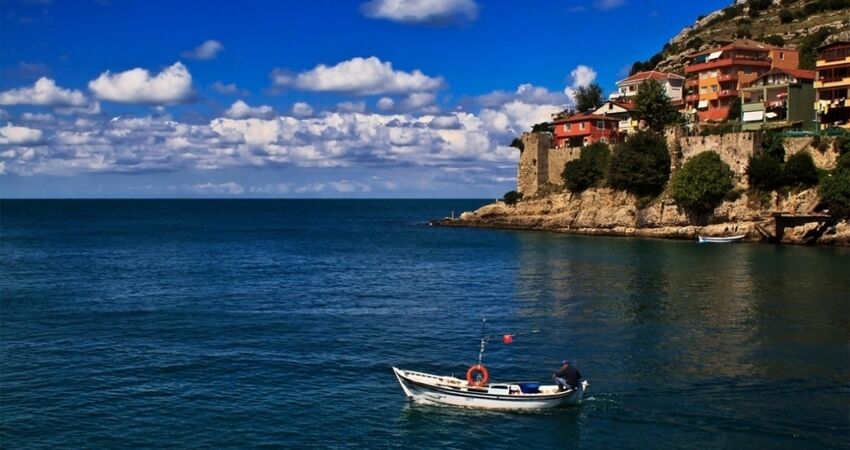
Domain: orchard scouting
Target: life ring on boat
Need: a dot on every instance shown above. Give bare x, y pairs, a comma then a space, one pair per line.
477, 375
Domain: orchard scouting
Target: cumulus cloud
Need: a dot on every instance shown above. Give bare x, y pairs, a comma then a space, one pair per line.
228, 188
43, 92
418, 100
172, 85
429, 12
385, 103
241, 110
359, 76
12, 135
526, 93
582, 76
209, 49
301, 109
228, 89
351, 107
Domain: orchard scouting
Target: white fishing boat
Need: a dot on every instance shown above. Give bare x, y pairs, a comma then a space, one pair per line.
447, 390
476, 391
720, 240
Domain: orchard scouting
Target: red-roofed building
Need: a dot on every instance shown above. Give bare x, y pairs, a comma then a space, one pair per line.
620, 110
673, 84
716, 76
583, 129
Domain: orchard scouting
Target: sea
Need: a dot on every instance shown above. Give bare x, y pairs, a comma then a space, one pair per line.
219, 324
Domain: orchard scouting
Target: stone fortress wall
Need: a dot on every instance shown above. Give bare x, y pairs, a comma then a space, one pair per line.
540, 165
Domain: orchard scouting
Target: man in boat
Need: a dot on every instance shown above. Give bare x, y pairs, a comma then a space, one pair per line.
567, 376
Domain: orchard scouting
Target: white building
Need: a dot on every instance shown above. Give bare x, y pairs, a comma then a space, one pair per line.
673, 85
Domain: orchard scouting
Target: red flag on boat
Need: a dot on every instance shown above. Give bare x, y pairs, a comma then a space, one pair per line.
508, 338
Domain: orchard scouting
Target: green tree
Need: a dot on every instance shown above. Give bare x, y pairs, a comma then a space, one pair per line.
588, 97
653, 107
764, 172
542, 127
785, 16
580, 174
800, 170
641, 165
701, 184
517, 143
834, 193
734, 109
511, 197
773, 145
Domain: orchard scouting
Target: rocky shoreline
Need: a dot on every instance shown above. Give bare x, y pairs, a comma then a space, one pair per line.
606, 212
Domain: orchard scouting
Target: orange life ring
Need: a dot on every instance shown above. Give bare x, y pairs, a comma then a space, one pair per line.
472, 375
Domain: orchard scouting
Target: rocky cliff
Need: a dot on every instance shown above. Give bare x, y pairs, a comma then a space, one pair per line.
604, 211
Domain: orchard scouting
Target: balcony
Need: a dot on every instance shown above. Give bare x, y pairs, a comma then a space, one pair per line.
832, 82
693, 82
727, 93
717, 63
692, 98
729, 77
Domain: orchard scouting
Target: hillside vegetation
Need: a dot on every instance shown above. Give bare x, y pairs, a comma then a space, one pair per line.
801, 24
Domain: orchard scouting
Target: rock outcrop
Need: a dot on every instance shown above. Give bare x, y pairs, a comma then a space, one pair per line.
604, 211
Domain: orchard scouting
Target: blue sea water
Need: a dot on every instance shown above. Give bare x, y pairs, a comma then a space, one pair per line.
266, 324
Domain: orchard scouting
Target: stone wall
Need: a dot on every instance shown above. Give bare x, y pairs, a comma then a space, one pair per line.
558, 159
734, 149
533, 168
826, 159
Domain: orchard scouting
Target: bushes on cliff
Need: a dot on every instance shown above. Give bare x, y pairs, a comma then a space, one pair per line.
800, 170
641, 165
591, 167
511, 197
764, 172
834, 193
702, 183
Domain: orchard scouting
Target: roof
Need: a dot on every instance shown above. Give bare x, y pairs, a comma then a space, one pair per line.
627, 105
799, 74
741, 44
651, 74
833, 44
584, 116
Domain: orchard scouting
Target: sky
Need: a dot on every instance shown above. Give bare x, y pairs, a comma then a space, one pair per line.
293, 99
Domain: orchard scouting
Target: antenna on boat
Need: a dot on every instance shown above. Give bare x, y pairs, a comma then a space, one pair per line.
483, 340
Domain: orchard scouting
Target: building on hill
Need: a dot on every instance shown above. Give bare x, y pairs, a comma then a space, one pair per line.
779, 98
582, 129
620, 110
673, 85
716, 76
833, 84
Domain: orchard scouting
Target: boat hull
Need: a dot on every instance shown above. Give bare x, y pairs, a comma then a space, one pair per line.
461, 396
720, 240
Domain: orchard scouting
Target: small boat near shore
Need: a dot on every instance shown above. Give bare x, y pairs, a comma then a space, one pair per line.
720, 240
450, 391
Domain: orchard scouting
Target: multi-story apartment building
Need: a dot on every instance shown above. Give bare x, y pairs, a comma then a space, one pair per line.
583, 129
672, 84
716, 76
833, 84
779, 98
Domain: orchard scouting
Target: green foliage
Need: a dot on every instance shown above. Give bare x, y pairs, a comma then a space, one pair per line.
834, 193
641, 66
702, 183
734, 109
843, 162
641, 165
653, 107
743, 32
718, 129
517, 143
774, 39
808, 47
772, 144
785, 16
764, 173
511, 197
591, 167
842, 145
542, 127
800, 170
695, 43
589, 97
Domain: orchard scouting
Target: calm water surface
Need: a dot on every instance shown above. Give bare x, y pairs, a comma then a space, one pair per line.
244, 324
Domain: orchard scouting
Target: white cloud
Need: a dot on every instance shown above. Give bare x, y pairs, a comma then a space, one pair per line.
209, 49
418, 100
301, 109
229, 188
606, 5
526, 93
386, 103
229, 89
241, 110
172, 85
359, 76
12, 135
434, 12
582, 76
351, 107
43, 92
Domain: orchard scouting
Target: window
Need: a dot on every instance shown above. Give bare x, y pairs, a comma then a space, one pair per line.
567, 127
713, 88
703, 89
781, 55
600, 124
581, 125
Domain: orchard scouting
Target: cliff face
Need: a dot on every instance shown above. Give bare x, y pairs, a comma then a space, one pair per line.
604, 211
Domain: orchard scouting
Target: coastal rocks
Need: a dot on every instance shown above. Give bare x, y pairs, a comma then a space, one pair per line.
606, 212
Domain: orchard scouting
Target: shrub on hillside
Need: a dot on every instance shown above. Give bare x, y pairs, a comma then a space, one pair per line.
702, 183
773, 145
834, 193
785, 16
842, 145
843, 163
641, 165
591, 167
511, 197
764, 172
800, 170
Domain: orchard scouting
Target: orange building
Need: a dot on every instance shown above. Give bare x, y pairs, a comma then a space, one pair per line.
716, 76
833, 84
583, 129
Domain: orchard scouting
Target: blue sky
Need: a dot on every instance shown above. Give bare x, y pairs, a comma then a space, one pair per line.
380, 98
